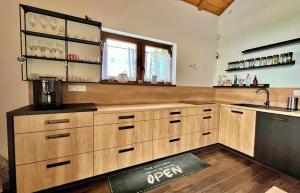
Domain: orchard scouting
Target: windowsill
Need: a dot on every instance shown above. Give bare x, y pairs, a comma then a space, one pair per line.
136, 84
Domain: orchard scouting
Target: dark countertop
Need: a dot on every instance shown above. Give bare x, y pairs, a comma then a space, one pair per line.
65, 108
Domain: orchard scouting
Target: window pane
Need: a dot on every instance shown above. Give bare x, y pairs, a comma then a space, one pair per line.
119, 57
157, 62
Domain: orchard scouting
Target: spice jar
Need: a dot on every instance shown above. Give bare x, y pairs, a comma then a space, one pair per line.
242, 64
289, 58
276, 59
263, 61
282, 58
257, 62
270, 60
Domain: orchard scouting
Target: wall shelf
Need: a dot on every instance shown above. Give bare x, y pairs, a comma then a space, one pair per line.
44, 58
259, 86
270, 46
260, 67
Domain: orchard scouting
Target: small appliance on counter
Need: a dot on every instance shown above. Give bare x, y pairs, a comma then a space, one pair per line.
292, 103
47, 93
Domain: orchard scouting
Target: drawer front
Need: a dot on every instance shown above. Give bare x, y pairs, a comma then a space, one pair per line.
47, 174
204, 138
171, 113
205, 122
121, 157
172, 127
39, 146
121, 117
116, 135
206, 109
34, 123
170, 146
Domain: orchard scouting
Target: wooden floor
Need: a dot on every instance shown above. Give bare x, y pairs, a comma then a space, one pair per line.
228, 173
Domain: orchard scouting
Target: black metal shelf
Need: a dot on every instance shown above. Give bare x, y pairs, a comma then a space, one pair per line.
260, 67
83, 62
45, 58
270, 46
63, 38
259, 86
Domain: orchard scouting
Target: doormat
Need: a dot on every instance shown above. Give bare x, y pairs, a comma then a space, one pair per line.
146, 177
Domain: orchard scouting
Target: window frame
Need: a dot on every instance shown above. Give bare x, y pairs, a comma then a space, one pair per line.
141, 45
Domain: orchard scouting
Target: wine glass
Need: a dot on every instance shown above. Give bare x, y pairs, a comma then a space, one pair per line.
43, 21
53, 23
32, 20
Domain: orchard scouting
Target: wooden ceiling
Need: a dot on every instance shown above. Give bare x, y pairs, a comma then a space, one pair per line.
216, 7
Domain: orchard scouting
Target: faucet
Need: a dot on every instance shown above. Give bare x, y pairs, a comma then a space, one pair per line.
267, 103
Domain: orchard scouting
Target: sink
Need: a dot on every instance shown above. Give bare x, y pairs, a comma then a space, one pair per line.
264, 107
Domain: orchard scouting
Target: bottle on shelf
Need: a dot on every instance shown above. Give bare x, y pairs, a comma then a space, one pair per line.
255, 82
248, 80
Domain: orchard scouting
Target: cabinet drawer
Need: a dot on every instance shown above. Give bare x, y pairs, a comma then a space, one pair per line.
116, 135
51, 173
34, 123
204, 138
171, 113
172, 127
39, 146
170, 146
121, 157
205, 122
121, 117
206, 109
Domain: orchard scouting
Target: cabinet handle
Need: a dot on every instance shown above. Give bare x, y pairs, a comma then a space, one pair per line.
206, 110
280, 119
208, 117
173, 140
58, 164
208, 133
49, 122
175, 113
126, 127
55, 136
126, 117
175, 121
126, 150
237, 112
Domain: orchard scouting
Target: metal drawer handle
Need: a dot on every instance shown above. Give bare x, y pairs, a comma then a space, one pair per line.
175, 113
208, 133
175, 121
126, 117
209, 117
55, 136
280, 119
126, 127
174, 140
238, 112
126, 150
58, 164
206, 110
49, 122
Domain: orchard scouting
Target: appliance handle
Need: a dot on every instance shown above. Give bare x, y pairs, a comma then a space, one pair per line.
280, 119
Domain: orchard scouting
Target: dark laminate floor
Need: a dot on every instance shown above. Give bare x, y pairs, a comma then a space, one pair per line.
228, 173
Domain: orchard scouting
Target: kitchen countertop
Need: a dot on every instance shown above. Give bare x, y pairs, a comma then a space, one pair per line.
144, 107
291, 113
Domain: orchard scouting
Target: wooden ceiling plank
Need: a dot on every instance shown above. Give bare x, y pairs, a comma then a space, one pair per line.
219, 3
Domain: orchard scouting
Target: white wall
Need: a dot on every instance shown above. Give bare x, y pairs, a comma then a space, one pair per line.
174, 21
256, 23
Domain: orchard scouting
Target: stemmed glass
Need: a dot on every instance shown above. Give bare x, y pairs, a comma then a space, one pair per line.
53, 24
32, 20
43, 21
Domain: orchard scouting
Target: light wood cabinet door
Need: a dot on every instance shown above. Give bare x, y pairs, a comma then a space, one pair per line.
121, 157
42, 175
40, 146
205, 122
46, 122
204, 138
116, 135
173, 113
121, 117
172, 127
237, 129
170, 146
206, 109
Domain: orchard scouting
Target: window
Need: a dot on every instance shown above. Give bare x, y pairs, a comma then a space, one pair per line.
139, 59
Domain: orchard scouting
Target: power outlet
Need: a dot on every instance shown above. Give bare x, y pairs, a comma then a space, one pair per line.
77, 88
296, 93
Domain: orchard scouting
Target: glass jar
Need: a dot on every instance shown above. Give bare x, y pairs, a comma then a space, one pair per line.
247, 63
270, 60
276, 59
242, 64
289, 58
282, 58
252, 63
263, 61
257, 62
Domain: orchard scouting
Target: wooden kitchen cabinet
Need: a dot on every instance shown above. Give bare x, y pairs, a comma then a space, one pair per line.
237, 129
